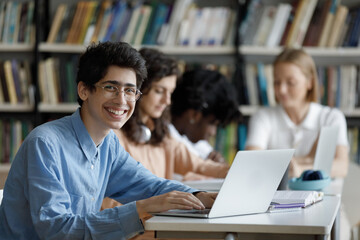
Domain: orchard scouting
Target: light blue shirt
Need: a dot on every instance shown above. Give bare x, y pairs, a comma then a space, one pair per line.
59, 178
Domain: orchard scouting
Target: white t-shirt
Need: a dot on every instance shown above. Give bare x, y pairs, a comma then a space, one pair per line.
201, 148
271, 128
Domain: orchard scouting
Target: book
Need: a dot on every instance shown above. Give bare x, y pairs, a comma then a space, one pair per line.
317, 22
262, 83
312, 31
1, 94
156, 23
274, 209
17, 13
43, 83
242, 133
194, 33
132, 23
142, 24
299, 14
355, 31
103, 22
92, 24
290, 198
89, 14
269, 74
4, 83
289, 22
178, 13
30, 27
51, 81
65, 25
325, 31
186, 26
73, 30
278, 28
7, 17
124, 24
118, 11
80, 24
10, 82
339, 22
24, 80
304, 23
22, 22
16, 78
251, 83
251, 22
2, 17
223, 18
344, 30
265, 25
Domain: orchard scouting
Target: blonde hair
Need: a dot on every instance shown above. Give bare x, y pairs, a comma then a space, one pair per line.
306, 64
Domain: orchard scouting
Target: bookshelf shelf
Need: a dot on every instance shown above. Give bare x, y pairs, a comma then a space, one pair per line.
16, 47
61, 48
258, 51
175, 50
7, 107
313, 51
58, 108
203, 50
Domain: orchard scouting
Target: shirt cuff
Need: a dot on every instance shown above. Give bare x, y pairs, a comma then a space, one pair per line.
131, 220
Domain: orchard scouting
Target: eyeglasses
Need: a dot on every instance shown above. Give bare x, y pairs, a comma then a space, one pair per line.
131, 94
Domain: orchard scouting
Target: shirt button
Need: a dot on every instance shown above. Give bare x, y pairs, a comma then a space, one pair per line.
92, 199
92, 167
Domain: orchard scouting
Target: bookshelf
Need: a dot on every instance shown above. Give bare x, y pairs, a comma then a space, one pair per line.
17, 96
39, 49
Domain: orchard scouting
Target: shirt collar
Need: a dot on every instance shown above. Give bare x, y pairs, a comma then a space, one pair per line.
308, 123
85, 141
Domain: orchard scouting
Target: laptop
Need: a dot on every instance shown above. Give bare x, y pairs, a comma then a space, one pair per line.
326, 148
248, 187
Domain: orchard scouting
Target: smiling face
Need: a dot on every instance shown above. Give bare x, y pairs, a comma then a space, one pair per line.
291, 85
154, 102
100, 111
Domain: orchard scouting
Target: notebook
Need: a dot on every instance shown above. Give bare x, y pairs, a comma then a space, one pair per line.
326, 147
248, 187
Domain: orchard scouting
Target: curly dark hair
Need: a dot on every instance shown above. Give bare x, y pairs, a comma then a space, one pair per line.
98, 57
208, 92
158, 66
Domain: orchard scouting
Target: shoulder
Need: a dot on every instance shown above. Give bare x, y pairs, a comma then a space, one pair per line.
327, 114
53, 131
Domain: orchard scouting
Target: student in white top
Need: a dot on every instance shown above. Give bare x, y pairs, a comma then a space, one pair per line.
297, 119
202, 101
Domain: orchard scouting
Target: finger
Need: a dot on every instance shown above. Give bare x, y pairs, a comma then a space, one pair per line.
186, 199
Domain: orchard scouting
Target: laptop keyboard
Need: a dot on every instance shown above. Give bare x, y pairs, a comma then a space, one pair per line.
204, 211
